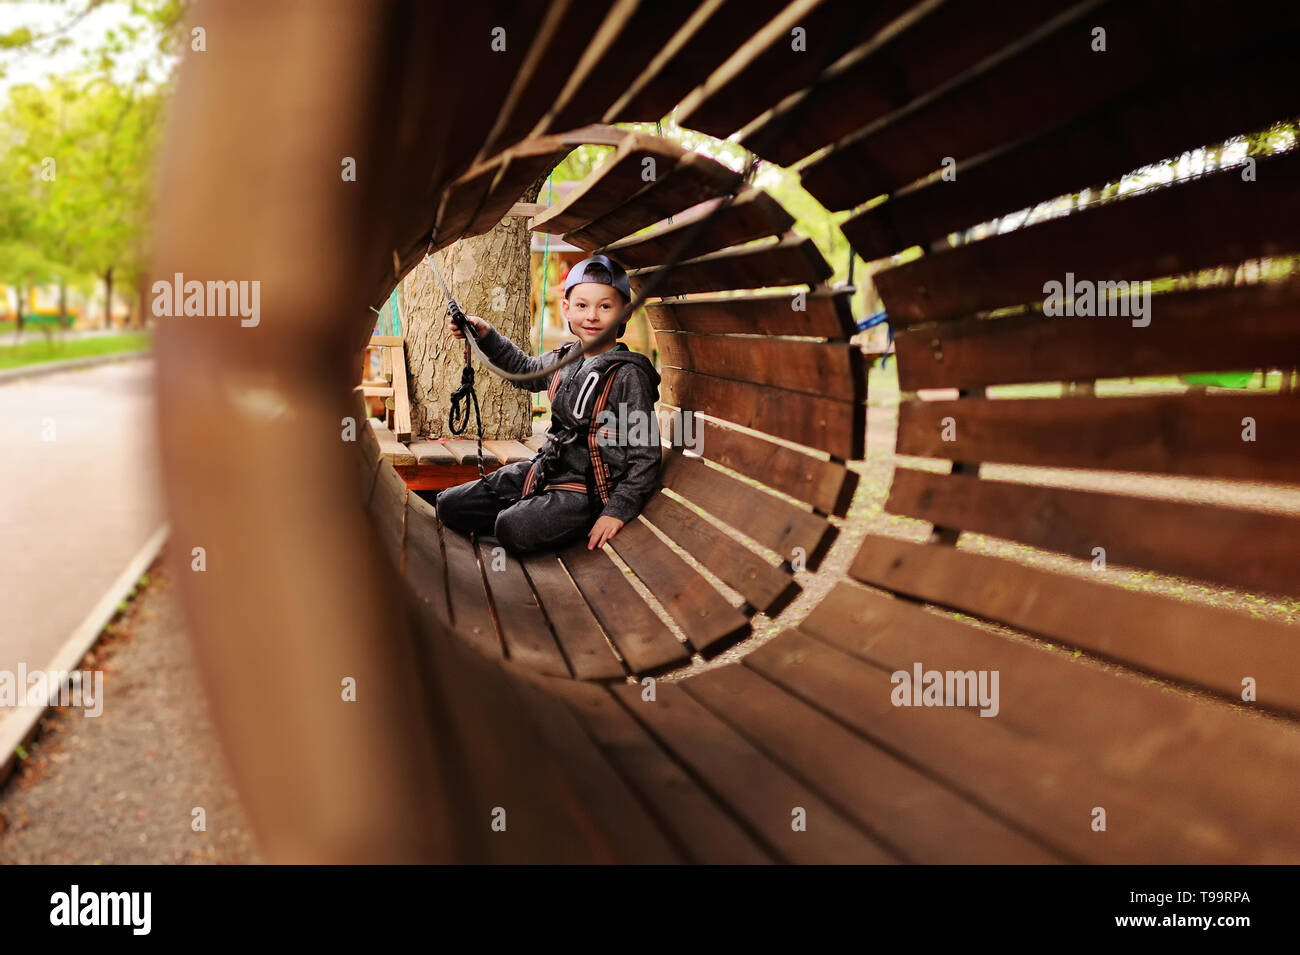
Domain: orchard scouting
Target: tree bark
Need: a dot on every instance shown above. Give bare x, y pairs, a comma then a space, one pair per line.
108, 298
489, 275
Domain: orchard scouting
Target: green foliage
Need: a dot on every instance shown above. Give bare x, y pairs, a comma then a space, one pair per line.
76, 151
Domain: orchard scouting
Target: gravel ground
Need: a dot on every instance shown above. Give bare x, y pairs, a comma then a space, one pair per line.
121, 788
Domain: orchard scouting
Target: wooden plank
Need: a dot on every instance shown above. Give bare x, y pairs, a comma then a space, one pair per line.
933, 44
1043, 790
535, 442
768, 588
692, 56
773, 522
1192, 643
470, 614
793, 260
376, 392
754, 787
821, 313
432, 452
1217, 219
611, 184
710, 622
1065, 76
1251, 326
438, 477
825, 484
393, 450
426, 569
525, 633
1186, 434
490, 187
387, 510
705, 832
509, 452
918, 819
695, 178
632, 35
753, 214
641, 637
1239, 92
1168, 536
828, 369
366, 471
836, 427
520, 168
614, 814
769, 67
401, 400
576, 628
384, 341
466, 452
1123, 723
563, 36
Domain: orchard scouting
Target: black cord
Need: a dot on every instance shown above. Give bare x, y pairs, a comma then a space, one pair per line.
461, 399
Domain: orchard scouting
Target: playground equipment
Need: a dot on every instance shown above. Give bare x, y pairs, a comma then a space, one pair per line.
491, 716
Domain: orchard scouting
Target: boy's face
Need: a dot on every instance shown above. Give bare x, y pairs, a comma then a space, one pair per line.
590, 309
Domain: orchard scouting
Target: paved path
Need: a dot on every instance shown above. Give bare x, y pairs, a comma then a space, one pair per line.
73, 510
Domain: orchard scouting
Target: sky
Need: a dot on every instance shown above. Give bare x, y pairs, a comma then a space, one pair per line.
41, 17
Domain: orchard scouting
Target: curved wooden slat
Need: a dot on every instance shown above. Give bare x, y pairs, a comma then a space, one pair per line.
1249, 326
831, 370
620, 176
1166, 536
793, 260
1200, 435
1219, 219
825, 484
753, 214
837, 427
1066, 76
820, 313
693, 179
1237, 93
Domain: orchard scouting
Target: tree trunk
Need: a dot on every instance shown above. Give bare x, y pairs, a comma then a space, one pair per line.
18, 315
489, 276
63, 305
108, 298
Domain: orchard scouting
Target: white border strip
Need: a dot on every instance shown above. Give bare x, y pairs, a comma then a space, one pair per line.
19, 726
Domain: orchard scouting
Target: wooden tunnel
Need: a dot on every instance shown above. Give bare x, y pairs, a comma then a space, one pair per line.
517, 694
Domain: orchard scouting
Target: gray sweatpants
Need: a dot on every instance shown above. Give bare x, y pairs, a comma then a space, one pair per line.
548, 520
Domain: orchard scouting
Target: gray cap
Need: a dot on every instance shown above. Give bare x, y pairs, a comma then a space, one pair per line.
578, 274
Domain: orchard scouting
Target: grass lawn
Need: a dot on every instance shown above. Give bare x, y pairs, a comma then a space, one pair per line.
36, 352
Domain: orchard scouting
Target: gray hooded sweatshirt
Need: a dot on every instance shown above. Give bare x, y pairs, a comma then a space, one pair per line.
629, 443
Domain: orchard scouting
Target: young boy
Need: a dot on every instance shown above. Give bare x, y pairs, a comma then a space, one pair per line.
553, 500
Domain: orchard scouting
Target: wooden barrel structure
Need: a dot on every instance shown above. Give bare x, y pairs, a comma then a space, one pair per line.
388, 690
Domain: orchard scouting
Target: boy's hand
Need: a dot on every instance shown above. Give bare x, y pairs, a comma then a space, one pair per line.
480, 326
604, 528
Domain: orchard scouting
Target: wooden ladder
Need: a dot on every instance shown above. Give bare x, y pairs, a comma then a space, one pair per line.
391, 383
